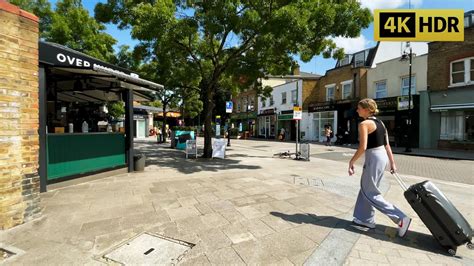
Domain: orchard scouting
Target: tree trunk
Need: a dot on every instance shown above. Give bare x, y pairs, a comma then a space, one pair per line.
208, 108
163, 127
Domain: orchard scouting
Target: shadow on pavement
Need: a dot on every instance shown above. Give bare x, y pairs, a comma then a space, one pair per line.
168, 157
412, 239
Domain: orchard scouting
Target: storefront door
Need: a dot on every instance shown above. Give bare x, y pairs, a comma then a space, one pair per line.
141, 127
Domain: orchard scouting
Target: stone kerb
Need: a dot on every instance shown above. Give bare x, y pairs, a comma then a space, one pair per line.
19, 121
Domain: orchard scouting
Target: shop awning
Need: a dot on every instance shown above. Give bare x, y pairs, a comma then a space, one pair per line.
129, 78
452, 107
78, 77
452, 99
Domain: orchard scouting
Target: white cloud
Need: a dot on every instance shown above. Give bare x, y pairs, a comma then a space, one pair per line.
389, 4
352, 45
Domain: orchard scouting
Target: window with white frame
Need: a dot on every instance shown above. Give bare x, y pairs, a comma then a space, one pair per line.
283, 97
453, 125
252, 105
380, 89
346, 89
293, 96
406, 87
462, 71
330, 92
271, 100
263, 100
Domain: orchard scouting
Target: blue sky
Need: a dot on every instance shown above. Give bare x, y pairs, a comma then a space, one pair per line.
318, 64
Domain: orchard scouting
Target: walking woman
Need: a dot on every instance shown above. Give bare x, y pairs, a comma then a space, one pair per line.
373, 141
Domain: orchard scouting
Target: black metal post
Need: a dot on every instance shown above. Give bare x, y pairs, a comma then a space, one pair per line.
42, 94
228, 132
408, 147
129, 129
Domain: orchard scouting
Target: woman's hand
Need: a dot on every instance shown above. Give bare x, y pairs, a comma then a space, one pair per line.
351, 168
393, 167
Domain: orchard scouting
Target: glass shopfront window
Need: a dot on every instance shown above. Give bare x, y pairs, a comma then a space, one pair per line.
457, 125
266, 126
322, 119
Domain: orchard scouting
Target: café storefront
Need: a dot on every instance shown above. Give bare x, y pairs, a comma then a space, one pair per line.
77, 136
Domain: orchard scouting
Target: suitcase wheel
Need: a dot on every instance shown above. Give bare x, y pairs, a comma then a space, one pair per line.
452, 251
470, 246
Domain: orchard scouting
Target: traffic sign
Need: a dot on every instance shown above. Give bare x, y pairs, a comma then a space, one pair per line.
229, 105
297, 113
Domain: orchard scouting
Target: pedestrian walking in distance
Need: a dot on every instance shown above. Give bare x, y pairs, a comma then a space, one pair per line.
328, 133
373, 141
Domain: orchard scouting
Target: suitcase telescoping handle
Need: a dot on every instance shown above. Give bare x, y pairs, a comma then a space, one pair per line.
400, 181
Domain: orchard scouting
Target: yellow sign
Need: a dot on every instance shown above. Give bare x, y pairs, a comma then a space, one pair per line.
297, 108
419, 25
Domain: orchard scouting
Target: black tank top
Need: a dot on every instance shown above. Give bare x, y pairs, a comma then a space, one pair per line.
377, 138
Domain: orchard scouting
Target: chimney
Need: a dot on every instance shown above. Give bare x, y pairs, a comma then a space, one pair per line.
296, 69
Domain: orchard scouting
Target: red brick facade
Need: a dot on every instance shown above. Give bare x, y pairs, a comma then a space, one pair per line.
441, 54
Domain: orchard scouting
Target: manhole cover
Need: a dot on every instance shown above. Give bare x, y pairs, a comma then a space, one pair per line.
149, 249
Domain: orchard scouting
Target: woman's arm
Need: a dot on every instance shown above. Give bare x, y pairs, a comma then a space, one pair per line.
363, 135
388, 149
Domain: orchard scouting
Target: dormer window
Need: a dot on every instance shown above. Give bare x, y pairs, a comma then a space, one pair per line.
345, 61
359, 59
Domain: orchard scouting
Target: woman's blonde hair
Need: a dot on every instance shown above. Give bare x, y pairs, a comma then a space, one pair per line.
370, 105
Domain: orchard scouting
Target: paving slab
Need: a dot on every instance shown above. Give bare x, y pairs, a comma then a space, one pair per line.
254, 210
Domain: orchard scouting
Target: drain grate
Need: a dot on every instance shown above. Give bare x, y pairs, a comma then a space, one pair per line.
5, 254
149, 249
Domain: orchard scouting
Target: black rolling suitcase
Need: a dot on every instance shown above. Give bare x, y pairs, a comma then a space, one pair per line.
444, 221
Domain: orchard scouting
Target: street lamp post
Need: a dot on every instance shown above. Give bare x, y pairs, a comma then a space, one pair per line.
410, 56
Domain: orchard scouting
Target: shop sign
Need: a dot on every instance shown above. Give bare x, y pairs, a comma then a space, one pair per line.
218, 148
319, 107
267, 112
390, 103
403, 103
297, 113
62, 56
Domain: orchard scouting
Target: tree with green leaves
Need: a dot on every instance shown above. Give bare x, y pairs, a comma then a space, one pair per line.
70, 24
231, 44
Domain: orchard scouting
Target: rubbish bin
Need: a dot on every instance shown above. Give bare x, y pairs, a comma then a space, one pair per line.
139, 162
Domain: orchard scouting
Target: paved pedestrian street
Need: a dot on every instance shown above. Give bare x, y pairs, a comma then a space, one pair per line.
249, 208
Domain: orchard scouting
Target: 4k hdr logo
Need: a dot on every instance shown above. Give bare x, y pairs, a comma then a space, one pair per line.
419, 25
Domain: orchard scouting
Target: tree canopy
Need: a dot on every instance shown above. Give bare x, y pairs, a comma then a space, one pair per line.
232, 43
70, 24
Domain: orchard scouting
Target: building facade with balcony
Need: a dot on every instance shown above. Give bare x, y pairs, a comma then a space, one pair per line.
449, 107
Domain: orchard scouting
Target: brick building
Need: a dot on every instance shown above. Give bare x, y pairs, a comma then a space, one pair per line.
19, 142
244, 114
448, 111
334, 101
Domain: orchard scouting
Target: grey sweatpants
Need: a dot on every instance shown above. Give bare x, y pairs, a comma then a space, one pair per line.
370, 198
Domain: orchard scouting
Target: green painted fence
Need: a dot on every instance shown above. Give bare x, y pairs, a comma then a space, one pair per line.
73, 154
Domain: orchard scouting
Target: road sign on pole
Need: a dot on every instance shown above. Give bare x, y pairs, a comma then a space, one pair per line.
297, 113
229, 105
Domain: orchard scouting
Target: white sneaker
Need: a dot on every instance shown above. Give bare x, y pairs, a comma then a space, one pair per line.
360, 223
403, 226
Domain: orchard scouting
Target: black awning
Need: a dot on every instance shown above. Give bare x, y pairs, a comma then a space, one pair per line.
56, 55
